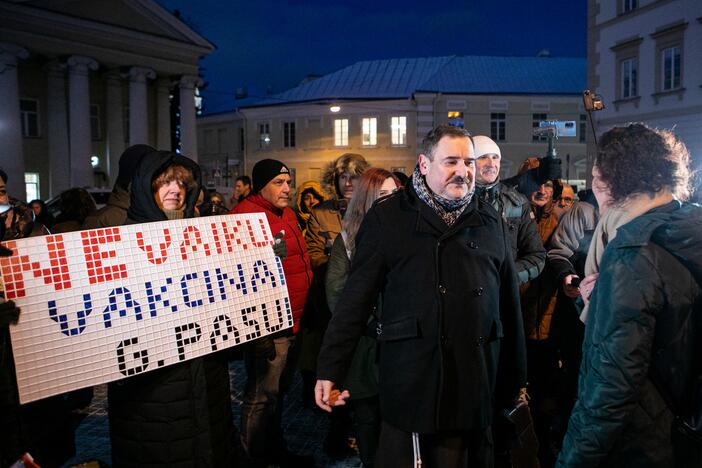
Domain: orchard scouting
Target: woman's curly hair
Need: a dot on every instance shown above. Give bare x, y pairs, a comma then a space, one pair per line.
640, 159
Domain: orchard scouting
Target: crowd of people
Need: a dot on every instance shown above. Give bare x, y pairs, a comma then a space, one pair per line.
449, 318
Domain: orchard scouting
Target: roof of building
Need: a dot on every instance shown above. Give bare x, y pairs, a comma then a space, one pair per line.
401, 78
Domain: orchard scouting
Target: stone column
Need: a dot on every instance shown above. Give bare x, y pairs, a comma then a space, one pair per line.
11, 154
57, 130
138, 109
115, 122
188, 131
79, 119
163, 114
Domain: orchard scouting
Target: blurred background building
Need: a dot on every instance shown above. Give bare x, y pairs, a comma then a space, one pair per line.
383, 108
81, 80
645, 61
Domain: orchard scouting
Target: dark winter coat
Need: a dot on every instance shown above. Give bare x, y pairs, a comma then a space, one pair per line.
179, 415
451, 337
527, 249
362, 377
114, 213
641, 319
296, 265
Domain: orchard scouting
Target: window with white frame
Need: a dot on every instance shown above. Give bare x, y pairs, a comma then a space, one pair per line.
629, 5
29, 113
264, 135
31, 184
369, 131
497, 126
629, 69
125, 122
535, 123
341, 132
95, 133
288, 134
455, 119
398, 130
670, 68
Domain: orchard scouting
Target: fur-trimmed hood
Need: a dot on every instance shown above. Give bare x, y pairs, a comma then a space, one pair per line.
317, 188
348, 162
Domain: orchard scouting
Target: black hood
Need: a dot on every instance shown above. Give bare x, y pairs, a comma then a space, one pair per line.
143, 207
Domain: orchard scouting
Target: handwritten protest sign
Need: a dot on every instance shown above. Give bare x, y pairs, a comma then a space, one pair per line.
106, 304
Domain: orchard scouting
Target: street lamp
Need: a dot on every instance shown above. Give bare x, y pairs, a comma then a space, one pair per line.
334, 108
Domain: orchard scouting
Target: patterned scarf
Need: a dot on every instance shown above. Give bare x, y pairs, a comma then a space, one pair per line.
448, 210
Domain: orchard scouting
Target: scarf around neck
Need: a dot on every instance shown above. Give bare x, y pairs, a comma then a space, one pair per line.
448, 210
613, 218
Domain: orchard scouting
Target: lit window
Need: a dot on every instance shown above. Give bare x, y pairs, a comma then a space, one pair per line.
535, 121
95, 133
288, 134
341, 132
497, 126
31, 184
455, 119
264, 135
398, 127
369, 128
629, 70
29, 113
671, 68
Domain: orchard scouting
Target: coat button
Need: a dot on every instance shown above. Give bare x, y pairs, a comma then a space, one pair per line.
473, 245
442, 289
478, 291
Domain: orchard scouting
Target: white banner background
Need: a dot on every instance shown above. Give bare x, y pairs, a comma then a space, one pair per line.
105, 304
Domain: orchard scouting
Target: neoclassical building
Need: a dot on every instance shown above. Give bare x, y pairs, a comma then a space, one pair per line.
82, 80
645, 61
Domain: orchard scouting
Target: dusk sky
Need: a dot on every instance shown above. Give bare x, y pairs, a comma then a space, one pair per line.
274, 44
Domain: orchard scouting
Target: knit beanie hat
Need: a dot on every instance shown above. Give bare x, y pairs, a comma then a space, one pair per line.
266, 170
485, 145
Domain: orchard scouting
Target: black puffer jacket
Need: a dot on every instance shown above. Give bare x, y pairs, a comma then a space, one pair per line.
640, 330
179, 416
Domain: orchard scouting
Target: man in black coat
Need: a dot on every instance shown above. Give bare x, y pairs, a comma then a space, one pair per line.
451, 336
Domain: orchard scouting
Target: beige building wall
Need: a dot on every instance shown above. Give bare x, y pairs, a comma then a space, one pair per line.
314, 132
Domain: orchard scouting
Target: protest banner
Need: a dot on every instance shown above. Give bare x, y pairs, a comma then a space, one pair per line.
106, 304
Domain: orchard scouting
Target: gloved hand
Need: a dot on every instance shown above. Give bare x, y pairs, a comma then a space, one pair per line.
549, 169
9, 313
280, 248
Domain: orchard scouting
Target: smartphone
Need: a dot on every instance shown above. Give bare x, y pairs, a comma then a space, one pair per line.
575, 282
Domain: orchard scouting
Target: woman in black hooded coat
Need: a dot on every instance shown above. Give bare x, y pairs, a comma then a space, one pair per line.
178, 416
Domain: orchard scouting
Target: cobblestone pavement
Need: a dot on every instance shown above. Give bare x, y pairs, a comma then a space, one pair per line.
304, 428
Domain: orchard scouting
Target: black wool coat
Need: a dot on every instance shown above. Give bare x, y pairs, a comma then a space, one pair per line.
451, 337
180, 415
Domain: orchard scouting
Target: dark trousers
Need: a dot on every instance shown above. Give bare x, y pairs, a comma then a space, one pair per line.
365, 414
454, 449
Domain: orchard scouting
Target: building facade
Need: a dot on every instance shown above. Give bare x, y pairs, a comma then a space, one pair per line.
383, 109
645, 61
80, 81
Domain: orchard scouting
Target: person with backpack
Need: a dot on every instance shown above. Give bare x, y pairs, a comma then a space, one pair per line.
640, 380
